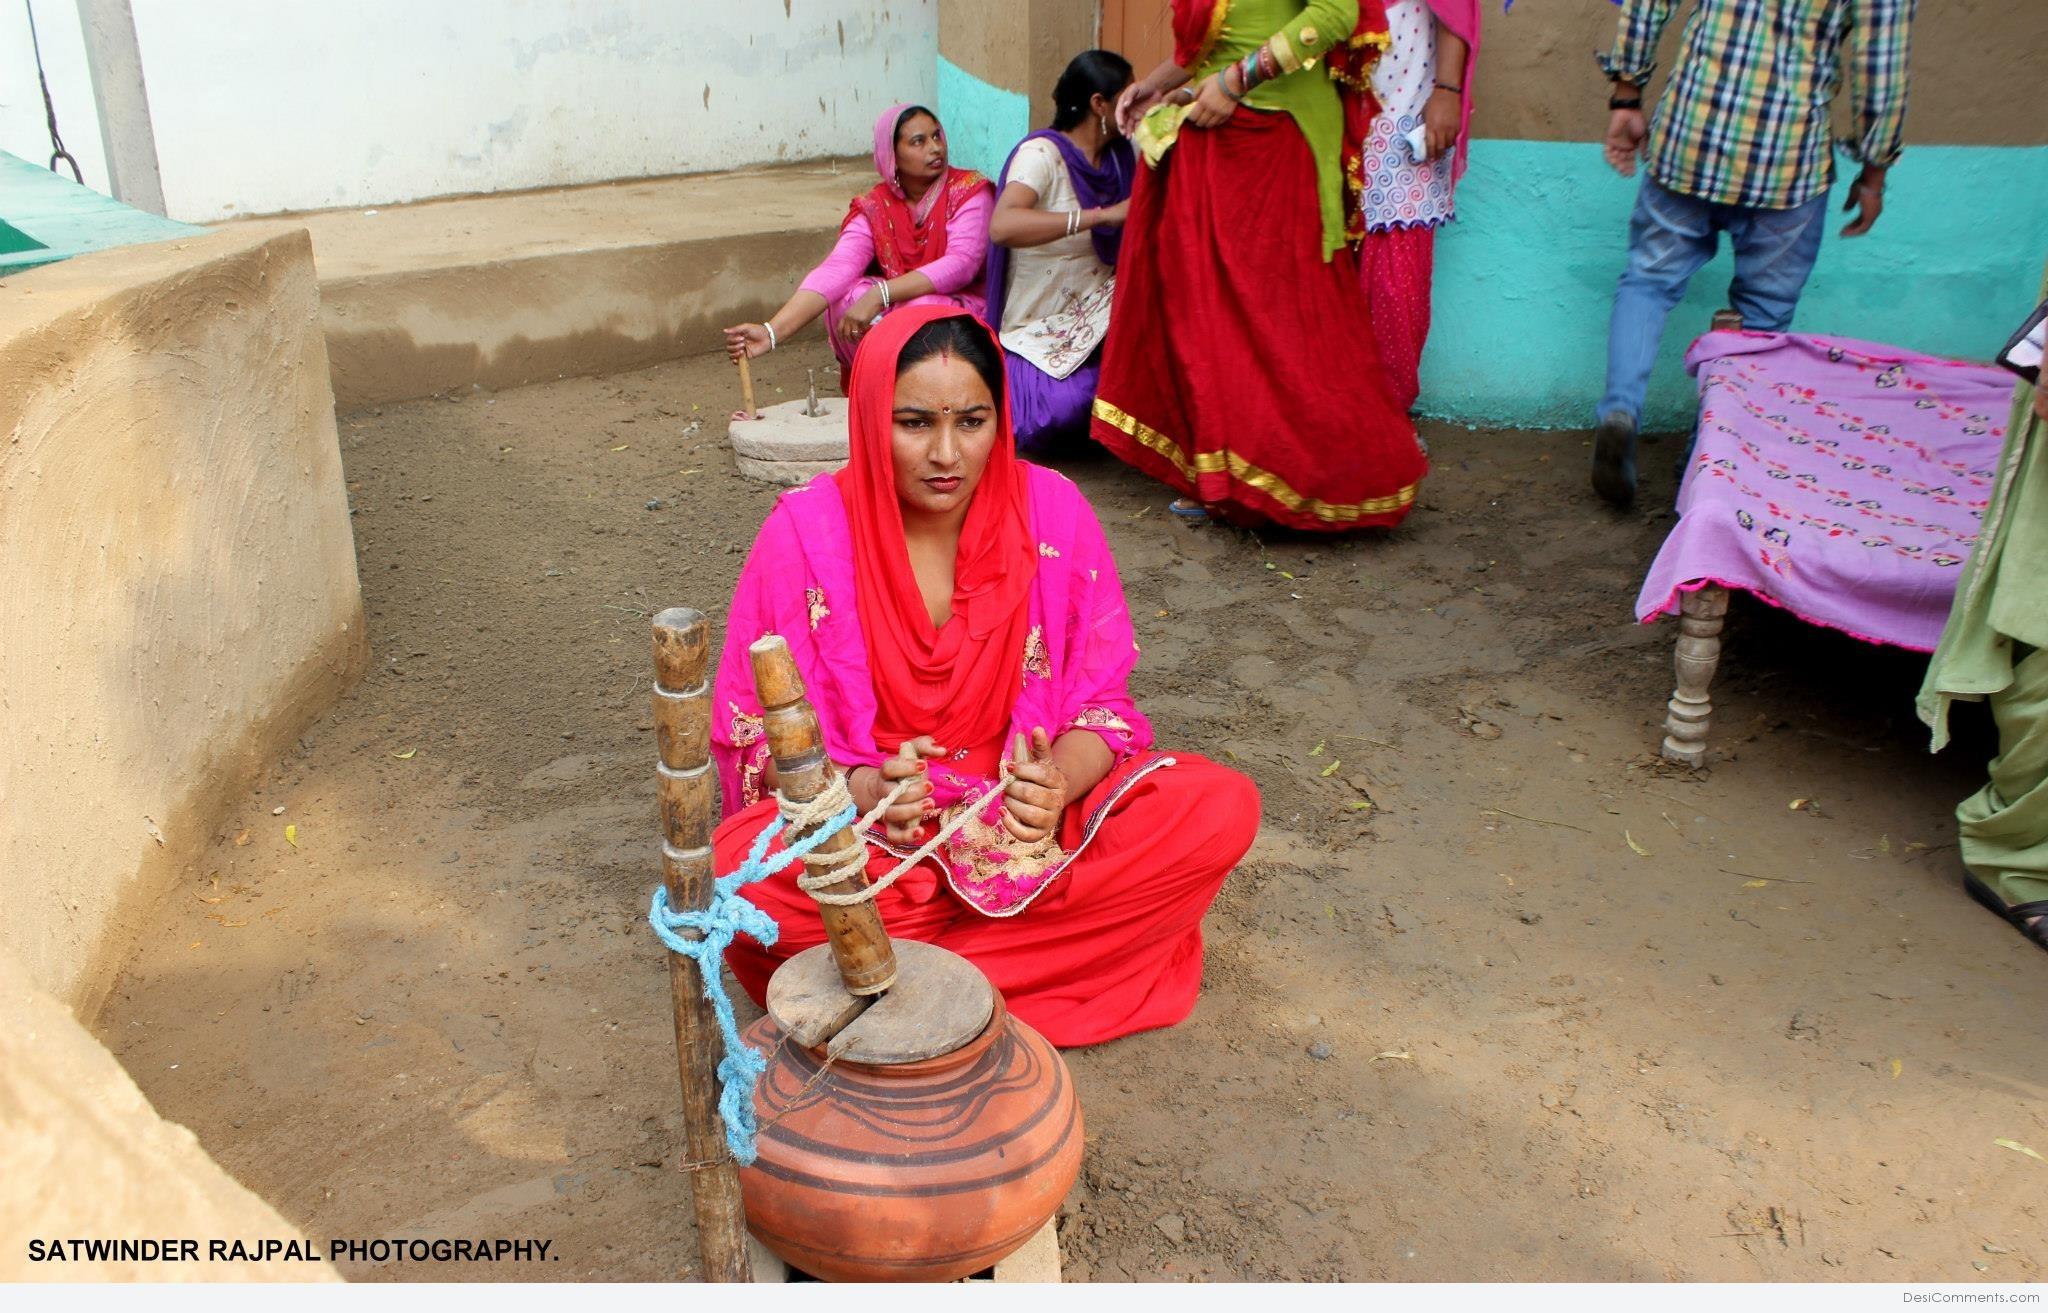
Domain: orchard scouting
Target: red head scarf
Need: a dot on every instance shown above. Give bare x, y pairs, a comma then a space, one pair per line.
957, 682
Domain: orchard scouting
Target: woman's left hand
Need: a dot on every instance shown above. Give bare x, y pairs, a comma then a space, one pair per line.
1037, 792
860, 316
1213, 104
1442, 116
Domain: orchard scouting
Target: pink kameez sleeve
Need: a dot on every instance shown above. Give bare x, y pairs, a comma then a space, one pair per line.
763, 602
851, 258
966, 245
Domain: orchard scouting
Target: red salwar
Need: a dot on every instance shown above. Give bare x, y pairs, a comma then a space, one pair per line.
1110, 948
1240, 366
1395, 266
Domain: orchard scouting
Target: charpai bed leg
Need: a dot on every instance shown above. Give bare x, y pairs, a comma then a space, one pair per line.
1698, 652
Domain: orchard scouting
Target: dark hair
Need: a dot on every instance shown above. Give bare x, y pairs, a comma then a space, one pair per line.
909, 113
1089, 74
959, 335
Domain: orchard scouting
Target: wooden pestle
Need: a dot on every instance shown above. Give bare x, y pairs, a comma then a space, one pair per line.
689, 806
747, 389
867, 961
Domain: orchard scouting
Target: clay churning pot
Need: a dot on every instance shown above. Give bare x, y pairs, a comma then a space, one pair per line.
926, 1141
910, 1128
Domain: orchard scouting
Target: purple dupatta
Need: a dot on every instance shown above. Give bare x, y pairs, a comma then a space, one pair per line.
1097, 186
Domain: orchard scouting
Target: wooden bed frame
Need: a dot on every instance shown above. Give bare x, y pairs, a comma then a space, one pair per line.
1697, 653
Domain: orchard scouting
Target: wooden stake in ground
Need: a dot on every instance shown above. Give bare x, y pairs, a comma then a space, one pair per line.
747, 389
867, 960
688, 790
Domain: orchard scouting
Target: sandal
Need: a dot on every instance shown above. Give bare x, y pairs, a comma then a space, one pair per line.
2030, 919
1188, 510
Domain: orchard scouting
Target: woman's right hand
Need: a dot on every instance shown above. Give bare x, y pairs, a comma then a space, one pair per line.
746, 341
1213, 104
1132, 105
860, 317
908, 813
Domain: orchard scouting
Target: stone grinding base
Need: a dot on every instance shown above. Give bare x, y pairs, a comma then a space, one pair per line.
787, 447
1037, 1263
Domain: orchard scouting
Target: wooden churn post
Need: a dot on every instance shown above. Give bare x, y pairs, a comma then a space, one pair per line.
861, 947
689, 805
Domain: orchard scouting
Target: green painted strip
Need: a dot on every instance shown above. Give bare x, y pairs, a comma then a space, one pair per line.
983, 122
1525, 278
64, 219
13, 241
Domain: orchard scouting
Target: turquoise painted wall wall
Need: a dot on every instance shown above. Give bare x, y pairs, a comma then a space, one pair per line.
983, 122
1525, 277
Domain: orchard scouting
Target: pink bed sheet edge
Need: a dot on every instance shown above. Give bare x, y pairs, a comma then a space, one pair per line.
1670, 606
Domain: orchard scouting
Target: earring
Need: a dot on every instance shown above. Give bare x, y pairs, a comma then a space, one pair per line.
1102, 122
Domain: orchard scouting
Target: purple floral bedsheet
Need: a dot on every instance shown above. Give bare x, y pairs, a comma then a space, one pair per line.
1841, 480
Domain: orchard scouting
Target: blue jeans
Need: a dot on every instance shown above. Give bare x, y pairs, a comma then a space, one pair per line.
1669, 237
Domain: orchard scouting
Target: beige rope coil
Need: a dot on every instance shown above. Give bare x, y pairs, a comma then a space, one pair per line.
825, 869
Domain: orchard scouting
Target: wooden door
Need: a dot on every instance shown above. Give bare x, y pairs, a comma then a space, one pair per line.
1139, 30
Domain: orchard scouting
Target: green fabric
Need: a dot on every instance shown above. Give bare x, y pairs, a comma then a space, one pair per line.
2003, 827
1309, 94
1993, 648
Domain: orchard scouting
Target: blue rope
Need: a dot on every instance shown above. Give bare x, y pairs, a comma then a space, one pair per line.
728, 915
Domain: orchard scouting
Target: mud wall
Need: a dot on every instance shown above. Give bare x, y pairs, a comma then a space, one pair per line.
997, 67
182, 597
85, 1156
1538, 80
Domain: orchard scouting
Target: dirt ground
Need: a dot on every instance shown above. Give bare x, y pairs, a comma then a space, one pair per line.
1547, 1009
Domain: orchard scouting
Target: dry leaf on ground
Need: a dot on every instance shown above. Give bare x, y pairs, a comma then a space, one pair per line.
2017, 1147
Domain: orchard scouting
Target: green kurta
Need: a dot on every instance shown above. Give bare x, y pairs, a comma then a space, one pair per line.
1309, 95
1996, 647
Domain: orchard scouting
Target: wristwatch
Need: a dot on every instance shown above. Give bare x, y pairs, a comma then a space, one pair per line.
1625, 102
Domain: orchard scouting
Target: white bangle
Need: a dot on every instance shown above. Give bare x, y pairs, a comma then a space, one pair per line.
772, 343
1073, 222
882, 285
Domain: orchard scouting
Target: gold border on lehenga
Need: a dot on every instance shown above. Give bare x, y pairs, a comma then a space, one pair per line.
1237, 467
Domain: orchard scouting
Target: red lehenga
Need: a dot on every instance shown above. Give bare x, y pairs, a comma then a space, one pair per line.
1240, 366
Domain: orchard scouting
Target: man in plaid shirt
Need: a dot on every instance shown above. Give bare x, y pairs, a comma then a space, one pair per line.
1740, 145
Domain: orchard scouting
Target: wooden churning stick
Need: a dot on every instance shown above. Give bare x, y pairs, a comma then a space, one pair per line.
869, 998
688, 788
866, 958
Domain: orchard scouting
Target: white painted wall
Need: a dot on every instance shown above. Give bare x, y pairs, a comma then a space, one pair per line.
24, 129
261, 106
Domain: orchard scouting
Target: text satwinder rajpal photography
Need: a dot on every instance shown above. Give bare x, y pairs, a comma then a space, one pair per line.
186, 1250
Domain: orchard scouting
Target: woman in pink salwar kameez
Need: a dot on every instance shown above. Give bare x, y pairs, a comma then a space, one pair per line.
1089, 919
918, 237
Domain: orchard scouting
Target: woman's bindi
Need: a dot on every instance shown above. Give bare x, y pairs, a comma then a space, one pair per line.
945, 408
